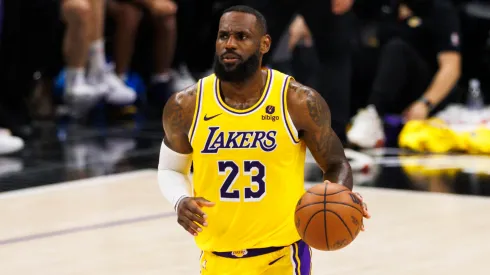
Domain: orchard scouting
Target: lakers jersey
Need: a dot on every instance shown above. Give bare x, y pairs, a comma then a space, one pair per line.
250, 163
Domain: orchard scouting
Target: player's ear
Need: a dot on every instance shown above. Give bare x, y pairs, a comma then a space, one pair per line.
265, 44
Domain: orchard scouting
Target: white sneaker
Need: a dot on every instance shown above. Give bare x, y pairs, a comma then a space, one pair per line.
113, 88
82, 97
8, 143
82, 92
118, 92
182, 79
367, 129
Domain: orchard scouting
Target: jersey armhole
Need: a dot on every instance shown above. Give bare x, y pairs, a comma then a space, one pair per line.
288, 122
197, 110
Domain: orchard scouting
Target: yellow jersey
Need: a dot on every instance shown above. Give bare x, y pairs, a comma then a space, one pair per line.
250, 163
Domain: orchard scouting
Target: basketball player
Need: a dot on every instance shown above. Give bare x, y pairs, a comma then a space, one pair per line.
245, 130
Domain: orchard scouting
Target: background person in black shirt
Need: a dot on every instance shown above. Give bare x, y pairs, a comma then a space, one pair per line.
419, 64
331, 24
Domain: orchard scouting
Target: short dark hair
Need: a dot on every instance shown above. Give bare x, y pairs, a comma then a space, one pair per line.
262, 23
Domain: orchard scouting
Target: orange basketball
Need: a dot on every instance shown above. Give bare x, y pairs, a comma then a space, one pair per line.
328, 216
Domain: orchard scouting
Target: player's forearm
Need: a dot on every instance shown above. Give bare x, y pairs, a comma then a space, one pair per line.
174, 186
173, 171
339, 172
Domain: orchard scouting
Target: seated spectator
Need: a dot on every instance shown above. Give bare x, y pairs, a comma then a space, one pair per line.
84, 44
127, 15
331, 26
419, 65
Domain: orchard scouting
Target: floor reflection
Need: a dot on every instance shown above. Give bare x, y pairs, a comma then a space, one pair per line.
63, 153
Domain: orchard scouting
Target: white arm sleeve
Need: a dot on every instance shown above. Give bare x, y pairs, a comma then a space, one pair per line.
173, 175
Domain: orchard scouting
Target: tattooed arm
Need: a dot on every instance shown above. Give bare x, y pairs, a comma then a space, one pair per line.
176, 160
177, 119
176, 151
311, 117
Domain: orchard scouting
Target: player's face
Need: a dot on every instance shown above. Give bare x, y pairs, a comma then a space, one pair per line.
239, 47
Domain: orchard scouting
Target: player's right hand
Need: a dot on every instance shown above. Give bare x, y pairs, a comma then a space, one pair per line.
190, 216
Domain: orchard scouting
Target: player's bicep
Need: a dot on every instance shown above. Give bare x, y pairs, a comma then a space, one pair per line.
316, 130
311, 115
175, 124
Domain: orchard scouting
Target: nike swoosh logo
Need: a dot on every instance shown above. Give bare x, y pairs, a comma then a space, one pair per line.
273, 262
206, 118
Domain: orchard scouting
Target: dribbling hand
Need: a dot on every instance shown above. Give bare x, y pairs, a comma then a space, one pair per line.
365, 212
364, 207
190, 216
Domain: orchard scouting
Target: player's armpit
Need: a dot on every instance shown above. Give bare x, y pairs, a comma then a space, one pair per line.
311, 116
177, 119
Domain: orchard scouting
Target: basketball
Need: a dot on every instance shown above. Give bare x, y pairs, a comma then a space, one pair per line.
328, 216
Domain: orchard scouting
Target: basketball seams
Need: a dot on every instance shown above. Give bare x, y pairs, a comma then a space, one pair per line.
308, 223
338, 192
343, 222
345, 204
328, 202
311, 201
309, 204
325, 216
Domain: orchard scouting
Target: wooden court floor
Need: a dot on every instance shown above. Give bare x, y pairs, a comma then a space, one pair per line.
121, 225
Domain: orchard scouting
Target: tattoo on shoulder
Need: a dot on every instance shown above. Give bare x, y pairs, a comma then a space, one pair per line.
180, 108
175, 115
190, 91
317, 107
299, 88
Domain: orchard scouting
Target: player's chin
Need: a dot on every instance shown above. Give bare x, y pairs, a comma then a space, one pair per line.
230, 64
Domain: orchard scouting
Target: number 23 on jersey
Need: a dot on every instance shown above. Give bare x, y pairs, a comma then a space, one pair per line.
232, 170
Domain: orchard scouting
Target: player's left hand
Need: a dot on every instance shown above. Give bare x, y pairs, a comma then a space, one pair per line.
365, 211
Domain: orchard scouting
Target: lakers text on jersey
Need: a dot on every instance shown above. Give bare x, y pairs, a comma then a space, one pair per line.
251, 164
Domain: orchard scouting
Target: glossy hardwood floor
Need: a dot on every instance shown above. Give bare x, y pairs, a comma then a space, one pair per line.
120, 224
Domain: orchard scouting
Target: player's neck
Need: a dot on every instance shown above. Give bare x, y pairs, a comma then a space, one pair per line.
241, 91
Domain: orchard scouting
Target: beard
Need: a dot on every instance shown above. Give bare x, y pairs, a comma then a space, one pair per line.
237, 73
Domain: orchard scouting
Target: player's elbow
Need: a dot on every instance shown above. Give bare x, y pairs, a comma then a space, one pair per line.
171, 160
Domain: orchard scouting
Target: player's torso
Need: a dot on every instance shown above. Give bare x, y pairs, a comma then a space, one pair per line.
251, 164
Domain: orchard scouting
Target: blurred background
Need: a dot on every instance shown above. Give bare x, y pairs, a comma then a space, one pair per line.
83, 83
